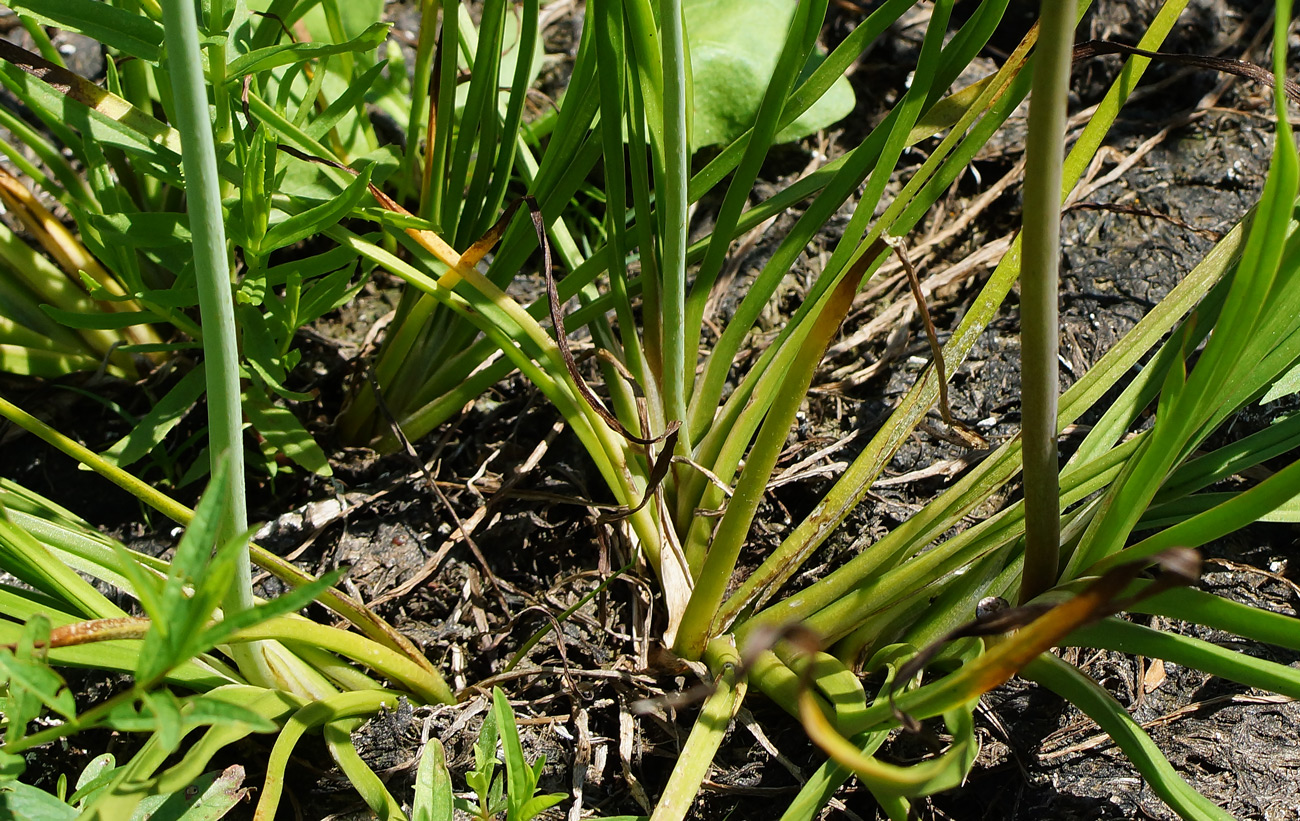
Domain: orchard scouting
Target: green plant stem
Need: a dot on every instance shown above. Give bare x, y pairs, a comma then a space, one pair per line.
672, 199
1101, 707
338, 738
853, 484
217, 69
212, 272
706, 736
1039, 269
334, 708
417, 123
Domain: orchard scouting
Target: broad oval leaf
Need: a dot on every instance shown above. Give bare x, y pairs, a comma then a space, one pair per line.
734, 46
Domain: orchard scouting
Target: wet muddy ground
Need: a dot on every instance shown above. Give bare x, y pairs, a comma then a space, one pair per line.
1186, 160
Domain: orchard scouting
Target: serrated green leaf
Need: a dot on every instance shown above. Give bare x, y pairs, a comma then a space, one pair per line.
196, 545
128, 32
177, 616
129, 716
485, 749
27, 677
209, 797
202, 710
282, 605
263, 59
496, 795
354, 94
261, 337
248, 226
310, 267
96, 775
252, 291
24, 703
539, 804
521, 804
166, 710
145, 586
154, 426
174, 298
98, 291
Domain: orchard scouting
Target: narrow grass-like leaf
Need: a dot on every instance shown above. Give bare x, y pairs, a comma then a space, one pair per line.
346, 103
315, 220
314, 714
264, 59
701, 745
1224, 355
1102, 707
1186, 651
164, 416
1220, 613
714, 573
365, 620
101, 320
129, 32
338, 739
886, 780
33, 563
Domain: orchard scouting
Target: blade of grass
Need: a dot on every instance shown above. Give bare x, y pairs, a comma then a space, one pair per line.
1102, 708
1235, 329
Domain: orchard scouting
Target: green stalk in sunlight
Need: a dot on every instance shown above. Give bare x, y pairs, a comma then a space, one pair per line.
1039, 381
212, 272
678, 363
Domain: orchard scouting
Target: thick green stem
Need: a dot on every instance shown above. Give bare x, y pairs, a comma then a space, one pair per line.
696, 757
212, 272
1039, 344
672, 198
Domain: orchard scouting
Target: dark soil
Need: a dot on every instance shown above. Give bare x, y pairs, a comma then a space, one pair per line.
507, 471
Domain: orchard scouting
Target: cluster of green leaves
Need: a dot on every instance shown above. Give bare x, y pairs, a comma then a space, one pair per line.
124, 286
909, 589
686, 442
185, 642
210, 796
513, 792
